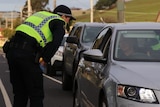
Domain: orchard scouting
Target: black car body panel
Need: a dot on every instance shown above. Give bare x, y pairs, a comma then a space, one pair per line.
80, 39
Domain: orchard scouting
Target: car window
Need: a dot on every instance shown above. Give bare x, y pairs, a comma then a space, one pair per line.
138, 45
78, 32
102, 39
63, 41
72, 31
90, 33
107, 47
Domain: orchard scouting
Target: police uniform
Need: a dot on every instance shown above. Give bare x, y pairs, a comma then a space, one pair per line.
42, 32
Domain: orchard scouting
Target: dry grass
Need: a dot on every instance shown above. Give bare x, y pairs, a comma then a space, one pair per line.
135, 10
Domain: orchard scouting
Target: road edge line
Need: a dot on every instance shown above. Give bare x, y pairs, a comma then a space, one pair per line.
5, 95
53, 79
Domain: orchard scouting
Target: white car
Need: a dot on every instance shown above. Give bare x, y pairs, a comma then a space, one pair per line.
56, 61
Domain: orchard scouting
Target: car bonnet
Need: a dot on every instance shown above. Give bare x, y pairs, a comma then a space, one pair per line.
146, 74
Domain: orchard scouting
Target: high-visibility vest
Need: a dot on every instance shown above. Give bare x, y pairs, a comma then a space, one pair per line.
37, 26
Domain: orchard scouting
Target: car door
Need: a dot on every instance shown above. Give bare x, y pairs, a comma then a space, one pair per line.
71, 50
92, 75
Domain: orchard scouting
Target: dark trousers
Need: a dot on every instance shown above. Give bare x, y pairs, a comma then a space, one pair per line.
26, 78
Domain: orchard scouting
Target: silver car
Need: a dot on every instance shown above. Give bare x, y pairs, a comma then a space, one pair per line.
122, 69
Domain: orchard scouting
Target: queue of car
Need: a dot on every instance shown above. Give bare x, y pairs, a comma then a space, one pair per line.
121, 69
79, 39
117, 65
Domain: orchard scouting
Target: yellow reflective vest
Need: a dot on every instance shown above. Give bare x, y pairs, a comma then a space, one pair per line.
37, 26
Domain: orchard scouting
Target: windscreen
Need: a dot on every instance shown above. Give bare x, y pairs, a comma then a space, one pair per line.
137, 45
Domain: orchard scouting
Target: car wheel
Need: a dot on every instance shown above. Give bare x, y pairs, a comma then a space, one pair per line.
103, 102
66, 81
76, 102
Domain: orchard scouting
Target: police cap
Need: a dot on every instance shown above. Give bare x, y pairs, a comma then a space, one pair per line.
64, 10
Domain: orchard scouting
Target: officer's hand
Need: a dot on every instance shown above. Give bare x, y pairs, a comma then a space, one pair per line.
42, 62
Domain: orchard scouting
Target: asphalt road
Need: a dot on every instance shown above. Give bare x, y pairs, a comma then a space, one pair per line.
54, 95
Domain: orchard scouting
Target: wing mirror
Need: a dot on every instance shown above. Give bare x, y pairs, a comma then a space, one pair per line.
94, 55
72, 39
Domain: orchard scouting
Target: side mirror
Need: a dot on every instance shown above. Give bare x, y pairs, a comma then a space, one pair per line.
94, 55
72, 39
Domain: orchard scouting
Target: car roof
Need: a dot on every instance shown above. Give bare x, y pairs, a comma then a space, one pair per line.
89, 24
135, 25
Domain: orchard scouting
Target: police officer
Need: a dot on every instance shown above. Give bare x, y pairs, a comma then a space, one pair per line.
41, 33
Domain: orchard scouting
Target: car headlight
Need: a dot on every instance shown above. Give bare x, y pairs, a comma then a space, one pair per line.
137, 94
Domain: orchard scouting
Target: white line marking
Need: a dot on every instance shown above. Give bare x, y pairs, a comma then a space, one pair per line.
5, 95
53, 79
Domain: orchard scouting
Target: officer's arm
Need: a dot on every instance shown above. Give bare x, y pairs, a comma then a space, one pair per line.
58, 31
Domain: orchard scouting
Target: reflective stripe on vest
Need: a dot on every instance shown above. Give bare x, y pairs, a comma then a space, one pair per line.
38, 28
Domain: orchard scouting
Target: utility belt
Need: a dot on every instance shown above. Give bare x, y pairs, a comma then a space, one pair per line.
23, 42
24, 46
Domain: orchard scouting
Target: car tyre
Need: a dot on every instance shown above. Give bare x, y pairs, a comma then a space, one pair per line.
66, 81
103, 102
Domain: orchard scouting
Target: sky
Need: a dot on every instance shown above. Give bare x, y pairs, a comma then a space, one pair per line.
16, 5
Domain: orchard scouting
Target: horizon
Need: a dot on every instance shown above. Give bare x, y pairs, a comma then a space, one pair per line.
16, 5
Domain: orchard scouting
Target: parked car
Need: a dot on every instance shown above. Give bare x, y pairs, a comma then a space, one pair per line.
56, 63
80, 39
106, 78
